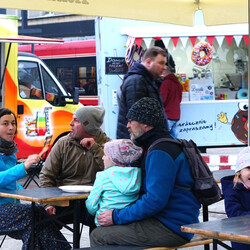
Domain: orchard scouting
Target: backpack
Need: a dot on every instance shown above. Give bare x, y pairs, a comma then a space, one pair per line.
205, 188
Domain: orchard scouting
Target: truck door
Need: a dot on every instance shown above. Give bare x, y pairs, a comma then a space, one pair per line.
43, 109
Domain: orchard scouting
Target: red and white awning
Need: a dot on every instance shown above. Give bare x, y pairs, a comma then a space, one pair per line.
193, 40
182, 34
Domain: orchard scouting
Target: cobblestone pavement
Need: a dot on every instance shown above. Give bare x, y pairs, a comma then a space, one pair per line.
12, 244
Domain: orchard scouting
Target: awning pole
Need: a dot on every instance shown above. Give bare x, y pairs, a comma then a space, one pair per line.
5, 66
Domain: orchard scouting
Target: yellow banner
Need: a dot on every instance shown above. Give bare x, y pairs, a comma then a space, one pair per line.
167, 11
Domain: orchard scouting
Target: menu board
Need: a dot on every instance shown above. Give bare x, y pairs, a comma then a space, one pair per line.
115, 66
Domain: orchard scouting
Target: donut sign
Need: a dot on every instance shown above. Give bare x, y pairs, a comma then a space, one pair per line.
239, 122
133, 54
202, 53
212, 123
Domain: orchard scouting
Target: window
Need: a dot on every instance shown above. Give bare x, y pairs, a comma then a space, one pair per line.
87, 80
52, 91
65, 76
13, 12
29, 80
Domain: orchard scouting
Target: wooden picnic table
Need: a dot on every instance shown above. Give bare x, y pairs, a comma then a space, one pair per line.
236, 229
53, 196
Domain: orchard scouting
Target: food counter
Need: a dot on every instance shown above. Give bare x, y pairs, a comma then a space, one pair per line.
214, 123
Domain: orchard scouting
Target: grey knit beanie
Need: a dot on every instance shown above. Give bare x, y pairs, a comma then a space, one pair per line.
147, 111
91, 118
122, 152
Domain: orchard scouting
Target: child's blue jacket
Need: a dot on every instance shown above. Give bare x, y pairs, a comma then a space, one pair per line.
237, 203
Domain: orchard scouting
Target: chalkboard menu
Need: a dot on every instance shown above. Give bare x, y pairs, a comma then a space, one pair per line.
115, 66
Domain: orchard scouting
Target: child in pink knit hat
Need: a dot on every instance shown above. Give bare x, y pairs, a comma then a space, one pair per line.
119, 184
121, 152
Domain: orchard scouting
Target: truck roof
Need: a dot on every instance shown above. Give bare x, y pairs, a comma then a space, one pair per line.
27, 54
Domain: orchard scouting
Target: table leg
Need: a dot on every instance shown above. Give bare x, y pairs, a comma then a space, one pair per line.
218, 242
205, 218
76, 224
205, 212
206, 247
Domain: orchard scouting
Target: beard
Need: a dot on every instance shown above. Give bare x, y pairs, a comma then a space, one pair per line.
76, 135
136, 134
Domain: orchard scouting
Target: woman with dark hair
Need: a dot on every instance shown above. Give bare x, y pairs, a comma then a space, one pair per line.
15, 218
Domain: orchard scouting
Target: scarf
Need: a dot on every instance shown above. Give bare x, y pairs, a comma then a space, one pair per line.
6, 147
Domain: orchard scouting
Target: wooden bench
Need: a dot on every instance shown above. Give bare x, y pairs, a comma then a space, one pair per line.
197, 240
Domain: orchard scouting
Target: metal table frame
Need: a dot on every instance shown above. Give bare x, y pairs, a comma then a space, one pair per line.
53, 196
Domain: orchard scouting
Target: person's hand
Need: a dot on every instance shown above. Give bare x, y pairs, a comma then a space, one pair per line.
87, 142
51, 210
105, 218
32, 159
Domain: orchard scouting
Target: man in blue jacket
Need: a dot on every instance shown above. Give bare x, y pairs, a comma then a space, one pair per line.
164, 205
140, 82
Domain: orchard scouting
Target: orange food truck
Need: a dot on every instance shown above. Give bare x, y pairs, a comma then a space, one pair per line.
43, 107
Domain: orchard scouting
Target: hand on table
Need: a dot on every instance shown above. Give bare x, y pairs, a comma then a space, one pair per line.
105, 218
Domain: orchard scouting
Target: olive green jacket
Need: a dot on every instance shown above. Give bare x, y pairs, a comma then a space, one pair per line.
69, 163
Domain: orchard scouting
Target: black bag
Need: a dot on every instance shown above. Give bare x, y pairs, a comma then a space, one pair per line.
205, 188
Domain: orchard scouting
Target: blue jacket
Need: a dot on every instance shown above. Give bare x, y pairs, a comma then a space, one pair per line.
10, 172
115, 187
163, 168
237, 202
138, 83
